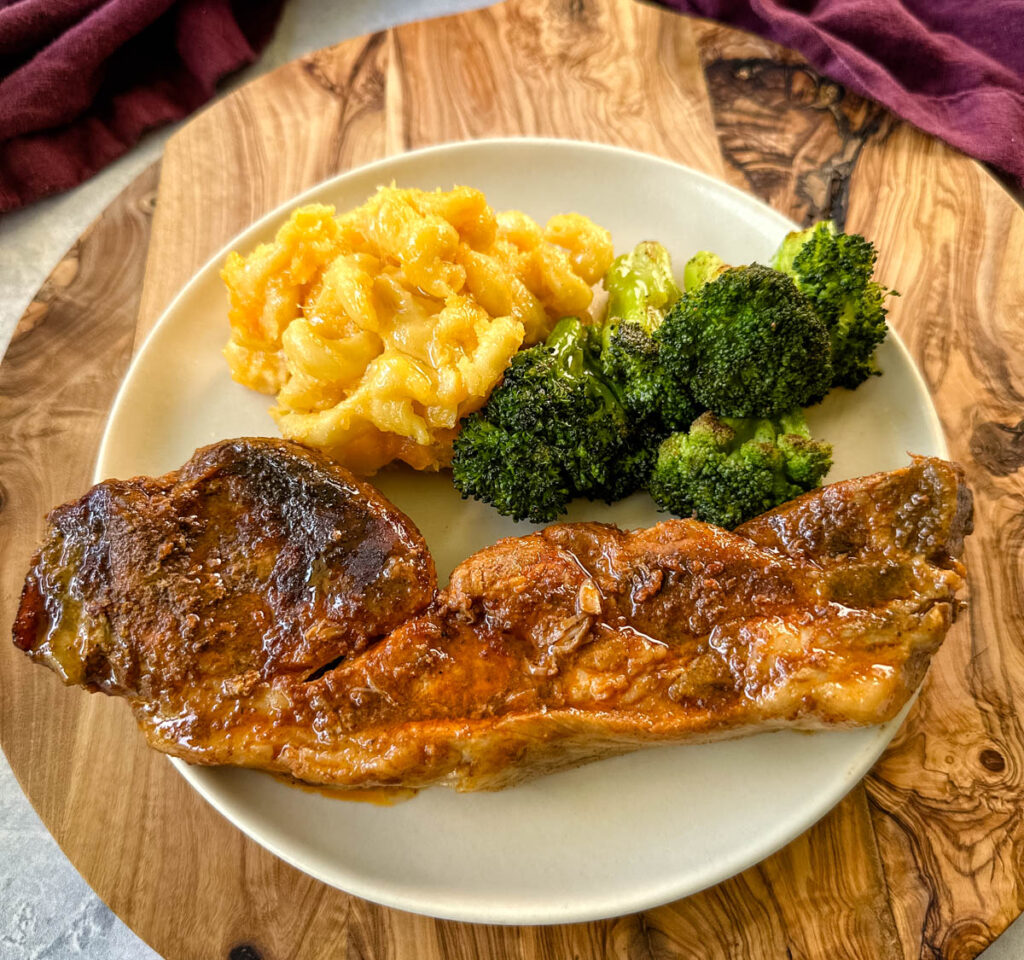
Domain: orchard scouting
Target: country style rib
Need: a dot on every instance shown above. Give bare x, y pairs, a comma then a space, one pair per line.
262, 608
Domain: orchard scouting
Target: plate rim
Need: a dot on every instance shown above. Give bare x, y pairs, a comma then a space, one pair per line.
494, 913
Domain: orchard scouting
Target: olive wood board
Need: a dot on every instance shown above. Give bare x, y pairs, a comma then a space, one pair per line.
923, 859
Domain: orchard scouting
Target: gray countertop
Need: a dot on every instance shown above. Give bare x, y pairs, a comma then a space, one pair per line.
47, 911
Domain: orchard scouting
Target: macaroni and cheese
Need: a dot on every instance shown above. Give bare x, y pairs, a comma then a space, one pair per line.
379, 329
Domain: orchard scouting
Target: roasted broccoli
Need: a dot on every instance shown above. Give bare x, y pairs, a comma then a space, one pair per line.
746, 343
641, 287
587, 412
835, 272
520, 475
557, 429
632, 469
726, 471
702, 267
641, 290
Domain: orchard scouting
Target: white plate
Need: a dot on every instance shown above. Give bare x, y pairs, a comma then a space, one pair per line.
606, 839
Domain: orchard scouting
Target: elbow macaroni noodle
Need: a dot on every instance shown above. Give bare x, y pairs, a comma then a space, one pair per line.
379, 329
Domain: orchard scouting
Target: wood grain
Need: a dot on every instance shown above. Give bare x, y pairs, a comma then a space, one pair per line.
923, 860
946, 796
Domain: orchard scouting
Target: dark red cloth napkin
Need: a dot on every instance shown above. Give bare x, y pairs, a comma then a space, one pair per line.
82, 80
954, 68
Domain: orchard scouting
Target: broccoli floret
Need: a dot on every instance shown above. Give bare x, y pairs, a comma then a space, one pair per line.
556, 392
557, 425
747, 343
518, 475
806, 460
726, 471
632, 469
835, 272
641, 289
631, 358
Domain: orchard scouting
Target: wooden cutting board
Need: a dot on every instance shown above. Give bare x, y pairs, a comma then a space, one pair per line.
922, 860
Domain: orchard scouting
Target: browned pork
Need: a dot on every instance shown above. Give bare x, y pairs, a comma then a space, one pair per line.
262, 608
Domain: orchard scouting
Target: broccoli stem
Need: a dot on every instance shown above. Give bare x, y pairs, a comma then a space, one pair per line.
702, 268
565, 344
640, 287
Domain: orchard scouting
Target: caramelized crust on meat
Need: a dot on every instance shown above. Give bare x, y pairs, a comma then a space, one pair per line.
551, 649
258, 561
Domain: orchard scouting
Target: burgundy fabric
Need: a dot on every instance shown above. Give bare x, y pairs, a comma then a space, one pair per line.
82, 80
954, 68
